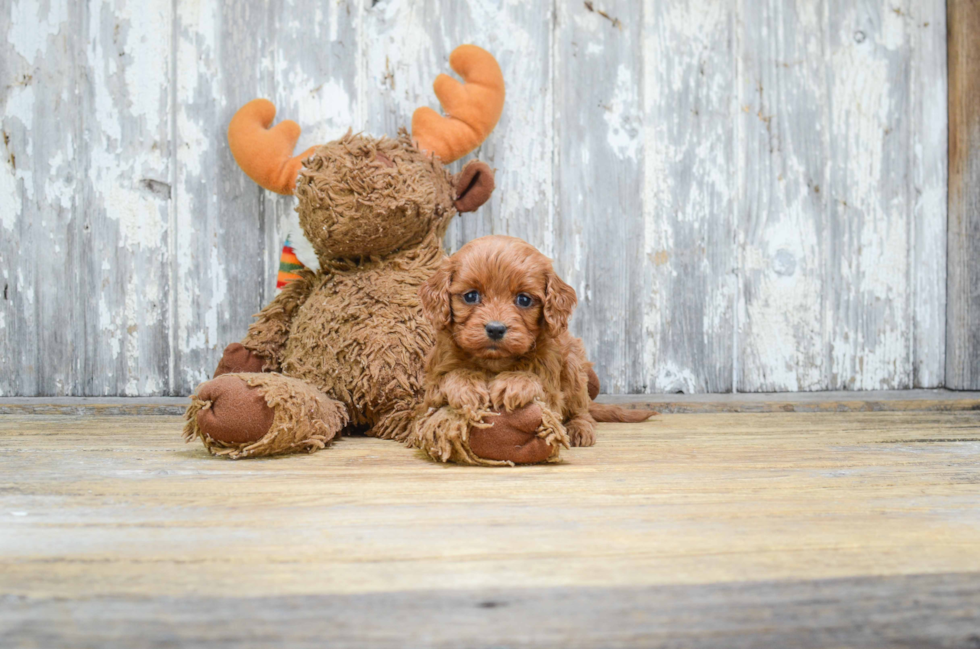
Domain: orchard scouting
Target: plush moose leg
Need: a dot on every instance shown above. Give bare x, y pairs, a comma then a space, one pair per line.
529, 435
238, 359
251, 415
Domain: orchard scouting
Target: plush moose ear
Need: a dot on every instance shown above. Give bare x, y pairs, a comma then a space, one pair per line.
559, 302
473, 184
434, 296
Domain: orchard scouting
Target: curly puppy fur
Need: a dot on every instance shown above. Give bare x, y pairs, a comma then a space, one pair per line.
376, 211
502, 341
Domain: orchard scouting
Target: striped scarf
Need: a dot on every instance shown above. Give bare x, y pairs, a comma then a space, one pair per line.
289, 266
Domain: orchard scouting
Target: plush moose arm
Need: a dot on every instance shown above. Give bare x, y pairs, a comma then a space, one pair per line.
267, 336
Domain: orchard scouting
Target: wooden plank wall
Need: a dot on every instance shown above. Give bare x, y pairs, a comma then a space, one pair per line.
747, 194
963, 306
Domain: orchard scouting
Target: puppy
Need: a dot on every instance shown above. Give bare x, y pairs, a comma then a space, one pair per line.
502, 341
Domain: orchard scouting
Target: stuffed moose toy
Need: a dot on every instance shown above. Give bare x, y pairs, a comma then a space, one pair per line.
341, 350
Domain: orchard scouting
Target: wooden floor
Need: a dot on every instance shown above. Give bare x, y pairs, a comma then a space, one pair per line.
734, 530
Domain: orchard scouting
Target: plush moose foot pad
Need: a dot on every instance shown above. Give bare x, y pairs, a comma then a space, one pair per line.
529, 435
237, 358
253, 415
236, 412
511, 437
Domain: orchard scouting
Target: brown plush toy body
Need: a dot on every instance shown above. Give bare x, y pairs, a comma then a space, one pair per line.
342, 349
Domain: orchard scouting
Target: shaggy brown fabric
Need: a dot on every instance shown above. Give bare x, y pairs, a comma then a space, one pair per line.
353, 205
351, 337
238, 359
268, 334
303, 419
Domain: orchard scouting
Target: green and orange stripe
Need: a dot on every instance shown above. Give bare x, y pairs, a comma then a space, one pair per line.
289, 266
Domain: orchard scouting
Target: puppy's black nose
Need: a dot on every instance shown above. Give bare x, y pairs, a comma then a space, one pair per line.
496, 330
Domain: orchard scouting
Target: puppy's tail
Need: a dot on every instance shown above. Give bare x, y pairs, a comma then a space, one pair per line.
609, 412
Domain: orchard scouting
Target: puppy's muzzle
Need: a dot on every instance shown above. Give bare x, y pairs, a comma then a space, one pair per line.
496, 330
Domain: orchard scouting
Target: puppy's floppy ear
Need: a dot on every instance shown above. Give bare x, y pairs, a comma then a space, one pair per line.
559, 302
473, 184
434, 296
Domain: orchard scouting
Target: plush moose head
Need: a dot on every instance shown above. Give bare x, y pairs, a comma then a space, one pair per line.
363, 196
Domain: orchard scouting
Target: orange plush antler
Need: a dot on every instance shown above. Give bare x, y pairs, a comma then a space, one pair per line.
473, 108
264, 153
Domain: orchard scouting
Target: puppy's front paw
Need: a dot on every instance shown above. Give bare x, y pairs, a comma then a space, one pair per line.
464, 391
581, 432
513, 390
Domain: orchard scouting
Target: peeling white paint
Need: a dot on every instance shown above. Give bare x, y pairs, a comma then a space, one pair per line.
33, 23
324, 110
20, 106
11, 204
24, 288
671, 378
59, 185
621, 115
117, 167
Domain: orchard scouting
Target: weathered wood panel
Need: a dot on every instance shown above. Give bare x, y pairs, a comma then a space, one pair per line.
690, 186
121, 277
599, 182
86, 124
963, 306
224, 58
927, 190
835, 174
782, 211
892, 612
20, 211
746, 195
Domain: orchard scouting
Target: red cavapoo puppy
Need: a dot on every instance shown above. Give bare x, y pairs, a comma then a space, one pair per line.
502, 344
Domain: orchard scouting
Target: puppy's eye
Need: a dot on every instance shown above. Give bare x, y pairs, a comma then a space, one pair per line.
524, 300
472, 297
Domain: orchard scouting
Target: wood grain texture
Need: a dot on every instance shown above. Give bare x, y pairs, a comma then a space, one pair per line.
963, 281
798, 525
880, 612
834, 287
840, 401
690, 185
747, 196
85, 193
928, 173
225, 57
599, 133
